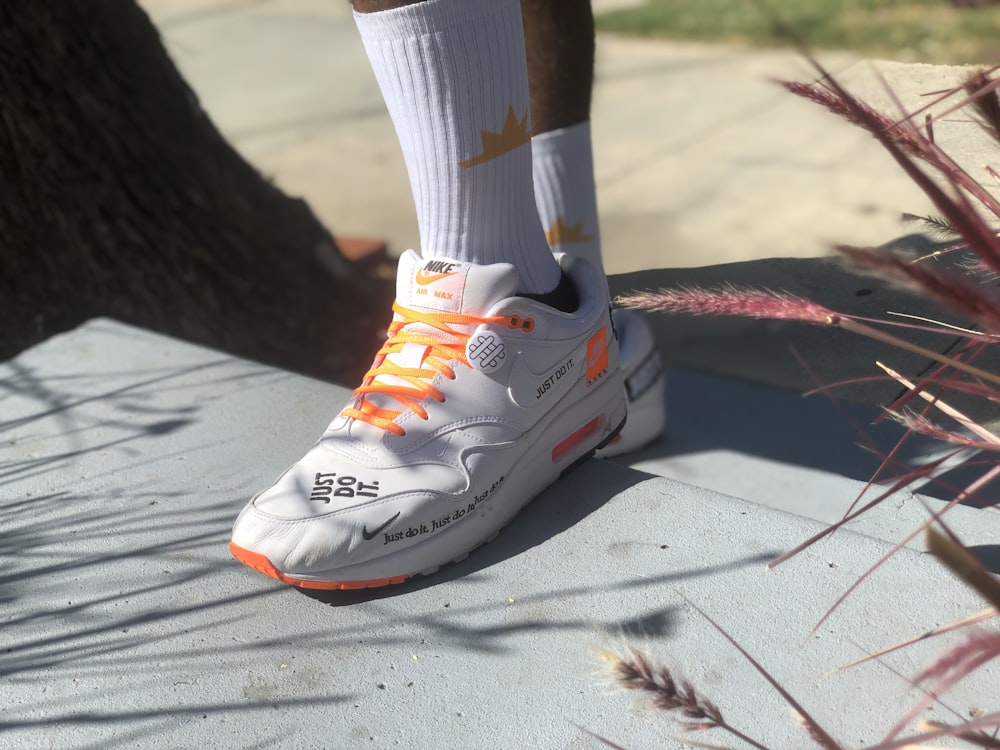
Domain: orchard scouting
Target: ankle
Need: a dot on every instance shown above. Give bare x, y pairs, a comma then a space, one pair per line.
563, 298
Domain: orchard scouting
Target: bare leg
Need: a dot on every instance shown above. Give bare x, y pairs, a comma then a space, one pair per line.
559, 41
559, 37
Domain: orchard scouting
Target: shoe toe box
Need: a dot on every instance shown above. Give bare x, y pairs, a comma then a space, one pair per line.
326, 513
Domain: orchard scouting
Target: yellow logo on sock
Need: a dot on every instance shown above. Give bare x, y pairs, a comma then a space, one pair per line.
513, 135
561, 233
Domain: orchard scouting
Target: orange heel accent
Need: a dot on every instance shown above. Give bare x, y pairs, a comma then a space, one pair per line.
566, 445
261, 564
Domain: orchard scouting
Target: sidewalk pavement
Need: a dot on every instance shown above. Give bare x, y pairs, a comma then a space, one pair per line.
126, 455
700, 158
707, 171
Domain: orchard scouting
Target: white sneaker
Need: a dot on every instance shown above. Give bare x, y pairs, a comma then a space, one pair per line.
478, 401
644, 385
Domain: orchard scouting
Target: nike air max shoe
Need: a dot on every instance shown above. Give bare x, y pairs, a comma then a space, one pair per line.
478, 401
644, 385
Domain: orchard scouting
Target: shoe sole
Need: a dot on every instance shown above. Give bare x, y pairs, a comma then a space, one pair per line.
263, 565
646, 426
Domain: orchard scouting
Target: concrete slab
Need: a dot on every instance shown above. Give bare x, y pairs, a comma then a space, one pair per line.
126, 455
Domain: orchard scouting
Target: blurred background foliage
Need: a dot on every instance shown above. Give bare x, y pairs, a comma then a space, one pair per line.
929, 31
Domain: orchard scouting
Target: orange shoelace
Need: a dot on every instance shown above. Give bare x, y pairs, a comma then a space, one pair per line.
440, 350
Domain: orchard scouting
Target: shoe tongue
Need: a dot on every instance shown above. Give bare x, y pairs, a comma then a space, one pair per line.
439, 285
445, 285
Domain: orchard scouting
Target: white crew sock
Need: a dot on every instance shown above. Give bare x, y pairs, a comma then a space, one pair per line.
453, 74
563, 165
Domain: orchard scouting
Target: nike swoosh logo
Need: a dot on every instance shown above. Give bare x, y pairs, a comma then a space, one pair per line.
560, 377
369, 535
598, 350
429, 278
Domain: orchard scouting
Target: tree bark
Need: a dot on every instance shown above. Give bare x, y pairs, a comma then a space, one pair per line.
119, 197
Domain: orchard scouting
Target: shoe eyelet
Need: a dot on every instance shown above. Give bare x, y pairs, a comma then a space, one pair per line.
525, 324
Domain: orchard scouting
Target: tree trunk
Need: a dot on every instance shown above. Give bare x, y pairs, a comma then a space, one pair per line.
118, 197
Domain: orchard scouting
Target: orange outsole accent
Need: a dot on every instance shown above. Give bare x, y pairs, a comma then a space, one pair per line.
261, 564
566, 445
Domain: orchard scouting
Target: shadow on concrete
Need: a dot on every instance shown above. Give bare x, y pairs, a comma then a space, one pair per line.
576, 496
119, 573
773, 352
750, 402
111, 549
127, 414
489, 629
156, 724
988, 555
710, 414
573, 498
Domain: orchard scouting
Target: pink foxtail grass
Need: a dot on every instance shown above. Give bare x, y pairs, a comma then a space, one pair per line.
987, 441
633, 670
979, 648
974, 619
906, 137
765, 304
924, 408
909, 146
960, 494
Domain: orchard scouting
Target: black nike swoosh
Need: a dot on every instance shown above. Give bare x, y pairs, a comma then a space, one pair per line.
369, 535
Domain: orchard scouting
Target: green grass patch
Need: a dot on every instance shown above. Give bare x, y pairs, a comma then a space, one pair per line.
910, 30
